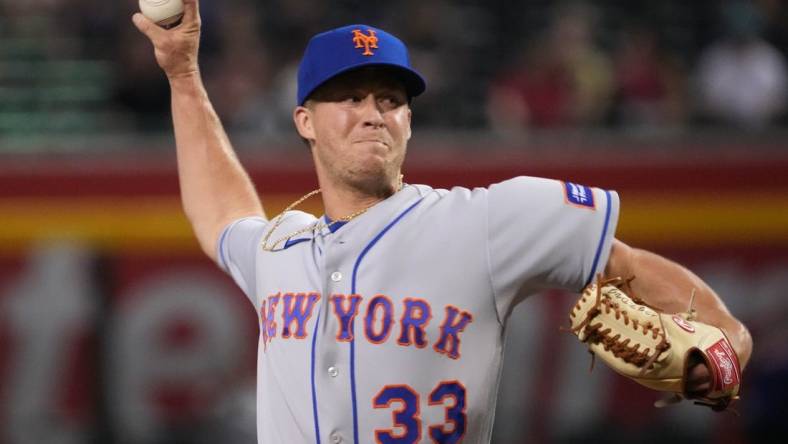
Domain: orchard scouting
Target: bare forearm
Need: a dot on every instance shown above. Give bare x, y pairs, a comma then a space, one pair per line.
215, 189
669, 286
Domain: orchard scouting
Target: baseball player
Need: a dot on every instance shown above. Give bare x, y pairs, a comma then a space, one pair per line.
384, 319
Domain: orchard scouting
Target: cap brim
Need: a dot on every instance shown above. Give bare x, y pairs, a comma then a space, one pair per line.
413, 81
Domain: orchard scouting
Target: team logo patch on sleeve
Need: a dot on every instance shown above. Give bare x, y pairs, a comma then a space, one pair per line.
579, 195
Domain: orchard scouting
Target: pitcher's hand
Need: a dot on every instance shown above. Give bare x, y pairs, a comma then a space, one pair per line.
176, 48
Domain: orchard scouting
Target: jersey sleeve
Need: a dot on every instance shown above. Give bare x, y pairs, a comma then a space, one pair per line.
237, 251
545, 233
240, 246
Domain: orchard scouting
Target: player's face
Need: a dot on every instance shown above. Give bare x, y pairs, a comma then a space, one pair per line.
358, 125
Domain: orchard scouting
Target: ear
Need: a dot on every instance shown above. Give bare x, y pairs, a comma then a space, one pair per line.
302, 117
410, 115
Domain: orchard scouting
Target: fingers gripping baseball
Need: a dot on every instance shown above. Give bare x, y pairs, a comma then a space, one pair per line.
175, 49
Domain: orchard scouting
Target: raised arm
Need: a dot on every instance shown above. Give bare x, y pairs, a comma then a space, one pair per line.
215, 189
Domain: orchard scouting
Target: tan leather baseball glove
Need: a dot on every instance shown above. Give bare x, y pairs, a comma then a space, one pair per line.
653, 348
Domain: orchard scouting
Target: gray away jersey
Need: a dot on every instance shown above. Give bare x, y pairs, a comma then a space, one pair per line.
390, 329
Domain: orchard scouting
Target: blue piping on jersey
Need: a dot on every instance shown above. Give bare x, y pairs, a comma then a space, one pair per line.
290, 242
222, 261
336, 225
333, 228
314, 393
353, 291
601, 240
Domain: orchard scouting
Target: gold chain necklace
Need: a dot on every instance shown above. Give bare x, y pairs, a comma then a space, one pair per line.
317, 226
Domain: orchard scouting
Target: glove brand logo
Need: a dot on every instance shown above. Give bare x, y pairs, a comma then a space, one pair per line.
366, 41
725, 364
622, 298
681, 322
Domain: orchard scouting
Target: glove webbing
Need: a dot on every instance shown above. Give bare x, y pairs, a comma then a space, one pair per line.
622, 350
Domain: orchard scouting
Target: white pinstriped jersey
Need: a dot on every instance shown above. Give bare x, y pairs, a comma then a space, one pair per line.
390, 327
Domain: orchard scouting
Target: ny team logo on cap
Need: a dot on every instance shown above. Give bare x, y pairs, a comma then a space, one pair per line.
338, 51
366, 41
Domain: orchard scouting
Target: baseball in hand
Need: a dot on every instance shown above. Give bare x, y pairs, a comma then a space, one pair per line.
165, 13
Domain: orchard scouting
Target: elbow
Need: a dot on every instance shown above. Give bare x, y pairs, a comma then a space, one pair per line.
738, 335
209, 248
619, 263
206, 234
743, 344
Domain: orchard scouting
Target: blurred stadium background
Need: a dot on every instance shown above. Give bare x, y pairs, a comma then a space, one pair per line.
114, 328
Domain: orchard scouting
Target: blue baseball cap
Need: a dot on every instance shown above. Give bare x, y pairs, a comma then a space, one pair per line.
340, 50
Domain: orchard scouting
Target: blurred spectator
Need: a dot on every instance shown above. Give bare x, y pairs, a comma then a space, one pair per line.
648, 81
479, 71
448, 53
141, 89
534, 94
239, 76
565, 78
96, 23
775, 14
742, 78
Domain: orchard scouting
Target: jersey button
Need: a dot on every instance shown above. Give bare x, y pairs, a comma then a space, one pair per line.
333, 372
336, 438
336, 276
